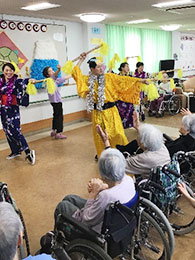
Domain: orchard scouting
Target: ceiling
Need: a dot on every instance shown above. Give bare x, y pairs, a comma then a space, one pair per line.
116, 11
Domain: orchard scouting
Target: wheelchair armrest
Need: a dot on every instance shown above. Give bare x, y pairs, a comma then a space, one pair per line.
63, 219
167, 137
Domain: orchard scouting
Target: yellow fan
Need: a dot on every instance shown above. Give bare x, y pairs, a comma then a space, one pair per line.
138, 58
68, 67
172, 85
160, 76
179, 73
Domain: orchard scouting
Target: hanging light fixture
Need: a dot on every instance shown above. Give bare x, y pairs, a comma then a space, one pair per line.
170, 27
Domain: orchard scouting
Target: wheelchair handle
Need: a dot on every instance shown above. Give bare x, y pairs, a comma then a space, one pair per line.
156, 185
166, 168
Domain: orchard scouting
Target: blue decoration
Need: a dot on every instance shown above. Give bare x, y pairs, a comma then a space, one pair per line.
16, 52
37, 69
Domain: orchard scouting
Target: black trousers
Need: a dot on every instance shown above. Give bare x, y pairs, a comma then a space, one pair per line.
57, 123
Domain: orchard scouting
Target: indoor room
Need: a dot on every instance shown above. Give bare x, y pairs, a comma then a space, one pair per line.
97, 132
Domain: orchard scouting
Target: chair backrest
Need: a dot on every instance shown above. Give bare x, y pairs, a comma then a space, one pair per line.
118, 228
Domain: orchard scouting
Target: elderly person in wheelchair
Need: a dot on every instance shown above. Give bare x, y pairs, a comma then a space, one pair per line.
114, 185
147, 152
166, 101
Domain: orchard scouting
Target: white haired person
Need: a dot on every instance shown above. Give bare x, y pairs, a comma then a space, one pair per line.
11, 234
150, 140
186, 141
101, 92
114, 185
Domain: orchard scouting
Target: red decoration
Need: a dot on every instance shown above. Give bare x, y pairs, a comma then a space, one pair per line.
43, 27
36, 27
20, 26
12, 25
3, 24
28, 27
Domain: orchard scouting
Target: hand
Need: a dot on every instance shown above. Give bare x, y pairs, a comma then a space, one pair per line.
83, 56
185, 112
58, 67
33, 81
96, 185
103, 134
183, 190
135, 120
145, 81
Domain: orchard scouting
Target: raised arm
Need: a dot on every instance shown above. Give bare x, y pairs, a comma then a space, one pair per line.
57, 71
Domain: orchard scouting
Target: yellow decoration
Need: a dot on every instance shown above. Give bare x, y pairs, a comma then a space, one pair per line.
172, 85
125, 59
104, 49
116, 57
160, 76
99, 59
31, 89
179, 73
68, 67
15, 66
51, 87
151, 90
138, 58
20, 60
111, 64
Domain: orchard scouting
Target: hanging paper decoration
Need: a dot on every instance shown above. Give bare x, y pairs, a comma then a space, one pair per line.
43, 27
20, 60
12, 25
68, 67
3, 24
36, 27
172, 85
28, 27
138, 59
20, 26
179, 73
31, 89
160, 76
51, 87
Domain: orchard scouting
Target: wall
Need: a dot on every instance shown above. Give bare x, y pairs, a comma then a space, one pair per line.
78, 40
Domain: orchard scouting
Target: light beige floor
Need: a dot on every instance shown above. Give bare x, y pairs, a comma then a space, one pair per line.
64, 167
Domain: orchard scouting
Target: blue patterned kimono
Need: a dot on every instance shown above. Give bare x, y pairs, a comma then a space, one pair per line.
10, 114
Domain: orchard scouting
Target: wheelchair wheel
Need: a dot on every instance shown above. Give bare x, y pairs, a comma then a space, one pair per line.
182, 216
86, 250
150, 243
161, 219
174, 105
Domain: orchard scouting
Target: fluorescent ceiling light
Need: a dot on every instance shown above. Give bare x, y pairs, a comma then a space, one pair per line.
92, 17
173, 3
170, 27
140, 21
40, 6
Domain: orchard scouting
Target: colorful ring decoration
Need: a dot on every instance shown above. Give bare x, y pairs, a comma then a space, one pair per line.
12, 25
20, 26
28, 27
43, 27
36, 27
3, 24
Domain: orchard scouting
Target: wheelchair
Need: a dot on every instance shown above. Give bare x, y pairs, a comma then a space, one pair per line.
128, 232
24, 249
171, 103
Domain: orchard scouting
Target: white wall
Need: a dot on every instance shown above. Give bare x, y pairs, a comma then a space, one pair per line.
78, 40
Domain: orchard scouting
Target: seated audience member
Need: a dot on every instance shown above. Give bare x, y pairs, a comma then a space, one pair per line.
114, 185
150, 140
186, 141
183, 190
163, 89
11, 233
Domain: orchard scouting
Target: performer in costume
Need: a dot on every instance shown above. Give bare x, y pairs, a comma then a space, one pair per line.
11, 93
102, 91
125, 109
140, 73
56, 102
